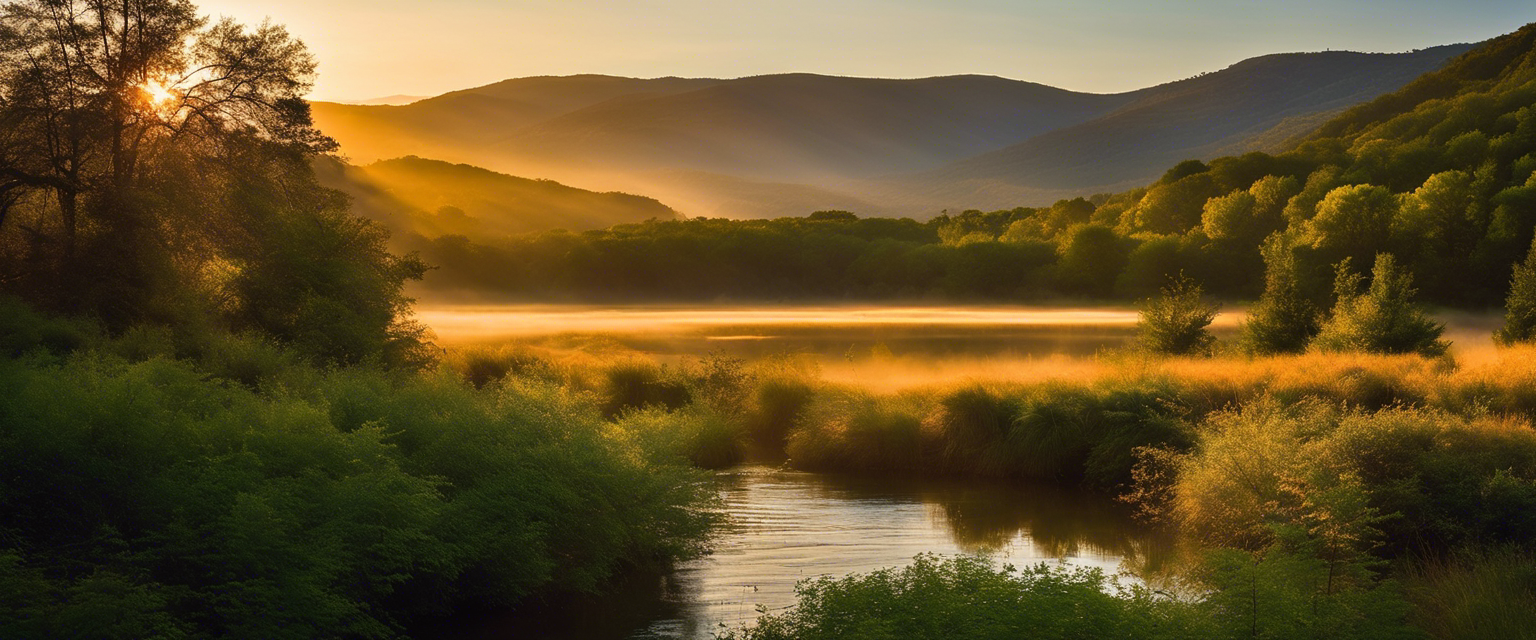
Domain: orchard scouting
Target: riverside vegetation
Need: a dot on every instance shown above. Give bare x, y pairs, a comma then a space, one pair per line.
1324, 494
219, 420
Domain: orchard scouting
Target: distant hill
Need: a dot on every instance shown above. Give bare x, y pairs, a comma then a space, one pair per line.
1440, 173
456, 125
434, 198
732, 147
1232, 111
398, 99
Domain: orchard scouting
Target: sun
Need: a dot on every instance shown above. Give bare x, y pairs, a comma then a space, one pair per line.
158, 93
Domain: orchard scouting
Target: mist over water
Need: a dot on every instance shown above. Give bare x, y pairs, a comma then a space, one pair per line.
880, 347
886, 348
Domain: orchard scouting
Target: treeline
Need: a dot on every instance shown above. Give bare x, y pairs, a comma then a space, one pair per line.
1439, 174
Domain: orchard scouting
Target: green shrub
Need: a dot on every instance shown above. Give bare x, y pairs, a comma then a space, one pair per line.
24, 330
694, 436
150, 499
969, 425
851, 431
485, 366
1437, 480
778, 404
1384, 319
1281, 595
1175, 322
965, 597
1283, 320
636, 384
1520, 306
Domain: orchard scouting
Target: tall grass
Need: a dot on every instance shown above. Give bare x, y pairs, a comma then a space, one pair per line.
1481, 594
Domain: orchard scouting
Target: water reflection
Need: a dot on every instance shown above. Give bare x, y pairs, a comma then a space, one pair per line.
788, 525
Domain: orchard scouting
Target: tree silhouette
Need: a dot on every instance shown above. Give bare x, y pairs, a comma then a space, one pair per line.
97, 97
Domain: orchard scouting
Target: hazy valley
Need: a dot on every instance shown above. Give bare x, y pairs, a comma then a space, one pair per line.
770, 146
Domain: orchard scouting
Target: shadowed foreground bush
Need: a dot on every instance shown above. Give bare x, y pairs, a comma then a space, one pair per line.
247, 495
965, 597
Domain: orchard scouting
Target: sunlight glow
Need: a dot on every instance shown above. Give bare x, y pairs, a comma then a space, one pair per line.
158, 94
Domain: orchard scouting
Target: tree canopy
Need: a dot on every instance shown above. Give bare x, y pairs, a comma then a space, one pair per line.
155, 166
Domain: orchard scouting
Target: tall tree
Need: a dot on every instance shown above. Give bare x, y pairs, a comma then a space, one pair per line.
1520, 306
1284, 320
164, 164
94, 93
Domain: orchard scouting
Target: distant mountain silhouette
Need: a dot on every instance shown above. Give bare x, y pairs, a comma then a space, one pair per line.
749, 146
398, 99
1256, 105
434, 198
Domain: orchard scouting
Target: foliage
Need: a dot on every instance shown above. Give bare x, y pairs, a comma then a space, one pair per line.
1175, 322
1437, 174
157, 497
1383, 319
966, 597
1274, 596
157, 170
1477, 594
1283, 320
1402, 478
1520, 307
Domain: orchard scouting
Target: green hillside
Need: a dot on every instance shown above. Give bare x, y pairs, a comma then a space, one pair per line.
414, 195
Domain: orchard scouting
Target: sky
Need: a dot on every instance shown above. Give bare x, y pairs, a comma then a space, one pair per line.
373, 48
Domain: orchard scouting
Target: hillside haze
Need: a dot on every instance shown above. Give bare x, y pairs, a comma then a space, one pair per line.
415, 196
786, 144
1260, 104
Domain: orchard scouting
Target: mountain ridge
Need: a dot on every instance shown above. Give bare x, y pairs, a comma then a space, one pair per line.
906, 146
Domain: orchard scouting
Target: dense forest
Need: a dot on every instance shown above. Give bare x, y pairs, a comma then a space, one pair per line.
1439, 174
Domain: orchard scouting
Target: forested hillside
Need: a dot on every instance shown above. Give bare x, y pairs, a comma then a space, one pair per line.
1438, 173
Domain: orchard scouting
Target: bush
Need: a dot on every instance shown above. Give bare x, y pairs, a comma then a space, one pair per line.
148, 499
1284, 320
965, 597
1436, 480
637, 384
1175, 322
852, 431
1384, 319
778, 404
1520, 306
692, 436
